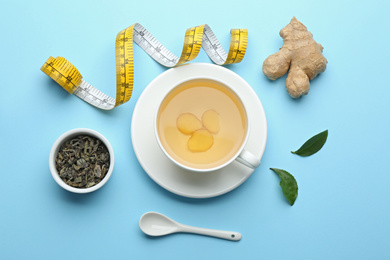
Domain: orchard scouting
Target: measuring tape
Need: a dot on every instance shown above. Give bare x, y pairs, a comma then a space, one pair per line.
67, 76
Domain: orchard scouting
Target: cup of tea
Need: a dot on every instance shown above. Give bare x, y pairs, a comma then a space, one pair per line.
201, 124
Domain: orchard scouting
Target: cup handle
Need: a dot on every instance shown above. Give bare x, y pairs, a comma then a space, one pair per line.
248, 159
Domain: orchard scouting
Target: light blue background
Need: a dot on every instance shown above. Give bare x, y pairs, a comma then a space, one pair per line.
342, 210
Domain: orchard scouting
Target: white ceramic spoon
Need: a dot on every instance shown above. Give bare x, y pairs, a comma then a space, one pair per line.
157, 224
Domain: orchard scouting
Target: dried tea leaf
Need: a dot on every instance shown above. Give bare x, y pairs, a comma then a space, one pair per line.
312, 145
97, 171
289, 185
188, 123
200, 141
90, 184
78, 180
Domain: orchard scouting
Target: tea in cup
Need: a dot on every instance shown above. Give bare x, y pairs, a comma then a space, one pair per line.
202, 125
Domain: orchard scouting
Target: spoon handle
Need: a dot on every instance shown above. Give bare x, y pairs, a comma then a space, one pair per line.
229, 235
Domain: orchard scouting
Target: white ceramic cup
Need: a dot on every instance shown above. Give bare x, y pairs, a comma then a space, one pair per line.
56, 147
243, 156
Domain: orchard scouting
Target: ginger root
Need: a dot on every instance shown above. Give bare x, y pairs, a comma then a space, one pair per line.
301, 54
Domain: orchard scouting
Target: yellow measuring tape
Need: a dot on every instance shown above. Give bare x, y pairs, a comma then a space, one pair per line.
67, 76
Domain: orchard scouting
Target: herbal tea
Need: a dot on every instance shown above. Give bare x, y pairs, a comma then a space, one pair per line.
82, 161
202, 124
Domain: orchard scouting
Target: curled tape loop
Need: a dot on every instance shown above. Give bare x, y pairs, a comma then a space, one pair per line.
67, 76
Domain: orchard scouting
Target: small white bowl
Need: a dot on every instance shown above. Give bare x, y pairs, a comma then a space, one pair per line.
56, 147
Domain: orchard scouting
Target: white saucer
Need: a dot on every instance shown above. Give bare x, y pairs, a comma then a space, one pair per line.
167, 174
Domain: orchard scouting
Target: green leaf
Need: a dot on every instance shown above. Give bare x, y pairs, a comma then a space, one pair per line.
312, 145
289, 185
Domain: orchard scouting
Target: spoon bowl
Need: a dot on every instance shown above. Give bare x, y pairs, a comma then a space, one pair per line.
157, 224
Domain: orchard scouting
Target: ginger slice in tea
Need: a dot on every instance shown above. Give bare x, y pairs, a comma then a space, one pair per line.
188, 123
200, 141
210, 121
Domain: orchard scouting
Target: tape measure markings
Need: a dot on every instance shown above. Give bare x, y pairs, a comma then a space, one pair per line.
86, 92
67, 75
217, 47
159, 50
